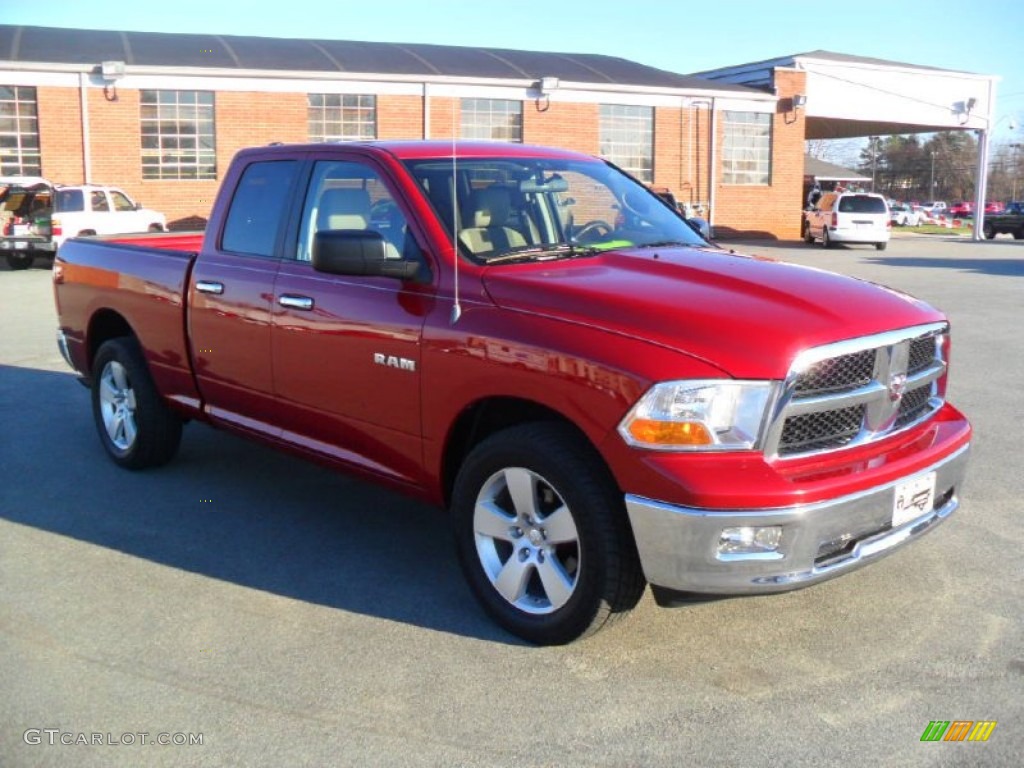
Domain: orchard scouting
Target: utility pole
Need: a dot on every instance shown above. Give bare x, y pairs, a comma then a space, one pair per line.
931, 183
1016, 168
873, 142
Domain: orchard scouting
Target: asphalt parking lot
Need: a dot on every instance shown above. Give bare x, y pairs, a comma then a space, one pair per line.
292, 616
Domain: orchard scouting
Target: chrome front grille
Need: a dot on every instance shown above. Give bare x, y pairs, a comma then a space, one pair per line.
854, 392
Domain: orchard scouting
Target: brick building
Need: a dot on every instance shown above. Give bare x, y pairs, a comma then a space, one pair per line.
161, 115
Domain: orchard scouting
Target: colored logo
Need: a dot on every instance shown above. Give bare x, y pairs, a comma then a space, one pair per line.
958, 730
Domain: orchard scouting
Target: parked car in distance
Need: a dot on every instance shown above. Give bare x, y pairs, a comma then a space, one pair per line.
994, 207
962, 210
848, 217
934, 208
1008, 221
904, 216
38, 217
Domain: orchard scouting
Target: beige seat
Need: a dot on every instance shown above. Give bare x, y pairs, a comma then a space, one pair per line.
489, 211
348, 209
343, 209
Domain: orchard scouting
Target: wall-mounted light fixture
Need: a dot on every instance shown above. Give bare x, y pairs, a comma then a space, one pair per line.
111, 72
963, 109
545, 87
799, 101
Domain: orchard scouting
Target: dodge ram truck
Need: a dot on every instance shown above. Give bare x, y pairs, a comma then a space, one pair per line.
530, 339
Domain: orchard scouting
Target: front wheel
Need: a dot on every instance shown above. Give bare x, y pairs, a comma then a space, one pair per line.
542, 535
808, 237
880, 246
1018, 234
19, 260
136, 427
988, 231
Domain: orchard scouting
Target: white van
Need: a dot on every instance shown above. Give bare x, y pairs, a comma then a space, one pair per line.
849, 217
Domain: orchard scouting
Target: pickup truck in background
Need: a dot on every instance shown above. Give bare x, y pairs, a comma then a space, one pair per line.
39, 216
531, 339
1009, 221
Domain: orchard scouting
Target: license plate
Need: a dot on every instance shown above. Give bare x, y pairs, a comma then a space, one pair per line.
20, 244
913, 498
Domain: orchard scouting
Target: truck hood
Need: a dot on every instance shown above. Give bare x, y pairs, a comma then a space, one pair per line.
748, 316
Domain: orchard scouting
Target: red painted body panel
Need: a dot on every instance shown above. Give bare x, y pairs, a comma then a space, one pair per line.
583, 338
748, 316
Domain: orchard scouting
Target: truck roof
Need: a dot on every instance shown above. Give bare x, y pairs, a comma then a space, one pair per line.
436, 148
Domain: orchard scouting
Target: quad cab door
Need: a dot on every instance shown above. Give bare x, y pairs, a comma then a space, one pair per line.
231, 298
346, 349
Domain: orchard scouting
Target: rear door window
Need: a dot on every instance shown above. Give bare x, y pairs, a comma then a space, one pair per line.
861, 204
69, 200
258, 207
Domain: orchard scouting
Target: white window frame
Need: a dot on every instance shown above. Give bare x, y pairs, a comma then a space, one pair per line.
178, 134
342, 116
626, 138
19, 127
492, 119
747, 148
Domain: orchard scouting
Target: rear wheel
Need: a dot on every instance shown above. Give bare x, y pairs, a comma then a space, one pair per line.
155, 228
880, 246
1019, 233
826, 241
19, 260
136, 427
542, 535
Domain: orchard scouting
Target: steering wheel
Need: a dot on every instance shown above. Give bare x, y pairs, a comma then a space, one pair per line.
602, 228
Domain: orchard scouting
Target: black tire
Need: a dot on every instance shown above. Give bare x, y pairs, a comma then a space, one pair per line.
154, 227
136, 427
988, 231
19, 260
808, 237
826, 241
1018, 233
592, 553
880, 246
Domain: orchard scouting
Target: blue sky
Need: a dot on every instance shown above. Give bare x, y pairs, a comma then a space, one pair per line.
982, 36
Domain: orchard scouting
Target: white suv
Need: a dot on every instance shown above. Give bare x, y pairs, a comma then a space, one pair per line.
849, 217
38, 217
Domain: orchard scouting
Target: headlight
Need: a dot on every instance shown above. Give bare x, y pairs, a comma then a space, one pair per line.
705, 415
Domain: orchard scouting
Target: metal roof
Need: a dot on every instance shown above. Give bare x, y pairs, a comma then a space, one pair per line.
824, 171
50, 45
758, 74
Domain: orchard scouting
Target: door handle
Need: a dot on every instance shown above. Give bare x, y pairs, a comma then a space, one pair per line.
209, 286
295, 302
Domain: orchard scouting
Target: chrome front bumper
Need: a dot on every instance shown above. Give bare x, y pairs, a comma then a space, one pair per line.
679, 545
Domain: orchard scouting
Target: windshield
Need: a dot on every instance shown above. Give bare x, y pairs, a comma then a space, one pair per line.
507, 209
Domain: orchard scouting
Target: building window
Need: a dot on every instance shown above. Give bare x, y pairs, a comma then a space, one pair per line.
747, 154
492, 119
342, 117
178, 140
19, 131
627, 139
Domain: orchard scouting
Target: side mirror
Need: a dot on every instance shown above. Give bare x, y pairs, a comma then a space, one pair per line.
700, 226
360, 253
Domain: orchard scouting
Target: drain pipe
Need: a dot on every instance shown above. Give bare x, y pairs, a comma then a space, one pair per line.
83, 91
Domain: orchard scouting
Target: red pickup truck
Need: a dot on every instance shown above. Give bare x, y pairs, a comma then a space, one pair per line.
532, 339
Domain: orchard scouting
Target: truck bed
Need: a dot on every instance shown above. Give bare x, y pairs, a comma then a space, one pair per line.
137, 280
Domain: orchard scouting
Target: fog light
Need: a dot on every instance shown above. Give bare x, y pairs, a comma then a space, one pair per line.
750, 540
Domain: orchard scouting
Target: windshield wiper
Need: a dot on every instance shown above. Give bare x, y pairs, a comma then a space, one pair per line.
665, 244
543, 253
